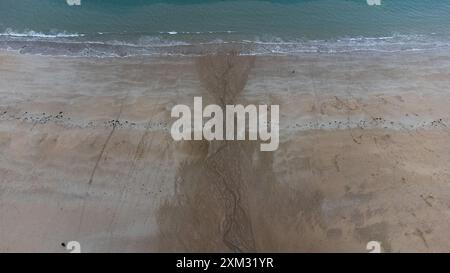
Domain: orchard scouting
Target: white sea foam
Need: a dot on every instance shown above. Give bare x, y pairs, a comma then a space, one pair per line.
197, 32
129, 44
31, 33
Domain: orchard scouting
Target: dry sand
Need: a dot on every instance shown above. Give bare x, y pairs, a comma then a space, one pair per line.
86, 154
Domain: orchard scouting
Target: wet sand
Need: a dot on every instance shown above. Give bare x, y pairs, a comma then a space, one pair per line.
86, 154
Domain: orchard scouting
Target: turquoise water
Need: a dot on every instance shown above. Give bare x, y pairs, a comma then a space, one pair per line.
279, 26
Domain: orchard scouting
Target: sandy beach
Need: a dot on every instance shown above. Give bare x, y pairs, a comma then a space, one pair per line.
86, 154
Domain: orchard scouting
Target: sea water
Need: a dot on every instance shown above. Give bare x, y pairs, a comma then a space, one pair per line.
135, 27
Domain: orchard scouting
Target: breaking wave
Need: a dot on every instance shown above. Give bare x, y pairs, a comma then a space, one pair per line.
34, 34
197, 43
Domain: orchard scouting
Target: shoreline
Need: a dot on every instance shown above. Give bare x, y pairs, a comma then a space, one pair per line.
113, 47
